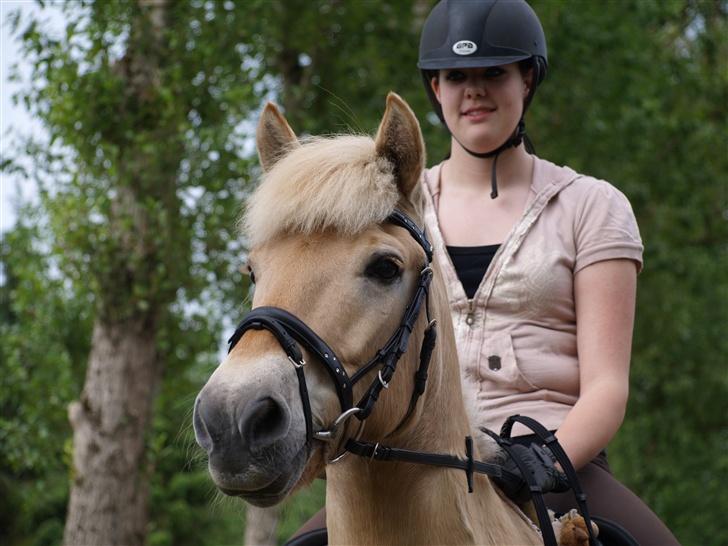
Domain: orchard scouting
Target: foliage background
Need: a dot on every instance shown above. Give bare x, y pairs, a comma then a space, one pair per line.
637, 93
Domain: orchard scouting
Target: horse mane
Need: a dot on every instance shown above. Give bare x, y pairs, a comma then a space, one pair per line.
334, 183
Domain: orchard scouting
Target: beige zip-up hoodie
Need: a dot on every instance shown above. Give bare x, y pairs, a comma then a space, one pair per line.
516, 337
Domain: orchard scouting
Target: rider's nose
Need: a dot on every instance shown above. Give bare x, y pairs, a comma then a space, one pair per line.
264, 421
473, 91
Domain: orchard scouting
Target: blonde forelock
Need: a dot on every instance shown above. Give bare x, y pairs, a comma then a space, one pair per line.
328, 183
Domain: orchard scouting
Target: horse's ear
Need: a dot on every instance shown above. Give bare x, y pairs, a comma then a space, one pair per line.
399, 139
274, 137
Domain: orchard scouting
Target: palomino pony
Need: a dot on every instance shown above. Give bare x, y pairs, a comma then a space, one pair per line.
330, 259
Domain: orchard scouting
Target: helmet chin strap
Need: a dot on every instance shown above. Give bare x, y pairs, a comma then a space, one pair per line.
515, 139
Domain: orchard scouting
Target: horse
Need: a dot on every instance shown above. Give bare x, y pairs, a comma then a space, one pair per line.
336, 249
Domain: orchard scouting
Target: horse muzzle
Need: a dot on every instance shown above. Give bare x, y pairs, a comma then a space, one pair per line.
255, 447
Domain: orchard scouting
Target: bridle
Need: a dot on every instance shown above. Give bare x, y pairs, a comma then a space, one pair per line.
290, 331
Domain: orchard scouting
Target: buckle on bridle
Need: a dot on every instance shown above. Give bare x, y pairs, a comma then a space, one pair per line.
297, 364
384, 383
374, 452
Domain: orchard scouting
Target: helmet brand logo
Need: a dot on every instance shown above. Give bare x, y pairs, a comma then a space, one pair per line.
464, 47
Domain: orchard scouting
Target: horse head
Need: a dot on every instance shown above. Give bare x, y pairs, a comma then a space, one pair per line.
325, 251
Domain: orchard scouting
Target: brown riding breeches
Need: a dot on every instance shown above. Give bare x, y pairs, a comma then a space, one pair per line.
608, 498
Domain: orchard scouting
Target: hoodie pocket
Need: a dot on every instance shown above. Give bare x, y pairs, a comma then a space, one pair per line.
498, 368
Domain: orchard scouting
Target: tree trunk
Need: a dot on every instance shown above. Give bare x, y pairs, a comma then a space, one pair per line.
108, 503
109, 492
261, 525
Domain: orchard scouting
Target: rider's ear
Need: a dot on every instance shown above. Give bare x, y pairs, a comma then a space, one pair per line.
274, 137
399, 139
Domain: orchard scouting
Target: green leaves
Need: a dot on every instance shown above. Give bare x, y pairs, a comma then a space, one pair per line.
634, 96
149, 157
43, 331
128, 134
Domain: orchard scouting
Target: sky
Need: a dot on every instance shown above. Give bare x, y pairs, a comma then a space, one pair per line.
14, 117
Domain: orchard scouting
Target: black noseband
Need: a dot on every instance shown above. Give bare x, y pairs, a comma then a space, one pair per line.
290, 331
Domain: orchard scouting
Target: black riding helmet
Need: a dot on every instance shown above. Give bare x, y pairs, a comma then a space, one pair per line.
480, 34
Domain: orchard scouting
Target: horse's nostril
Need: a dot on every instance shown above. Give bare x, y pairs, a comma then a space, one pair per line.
202, 435
264, 421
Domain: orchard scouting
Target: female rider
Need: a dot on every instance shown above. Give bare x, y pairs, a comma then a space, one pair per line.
541, 262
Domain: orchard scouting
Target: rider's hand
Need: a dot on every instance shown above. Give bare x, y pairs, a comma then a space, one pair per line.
540, 465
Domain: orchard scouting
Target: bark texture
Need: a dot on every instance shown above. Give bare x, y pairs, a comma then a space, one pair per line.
108, 503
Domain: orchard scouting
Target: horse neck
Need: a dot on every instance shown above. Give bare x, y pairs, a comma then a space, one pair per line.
396, 503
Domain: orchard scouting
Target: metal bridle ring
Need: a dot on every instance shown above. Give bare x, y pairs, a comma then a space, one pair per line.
328, 435
356, 437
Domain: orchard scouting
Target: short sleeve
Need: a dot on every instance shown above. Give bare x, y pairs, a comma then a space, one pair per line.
605, 227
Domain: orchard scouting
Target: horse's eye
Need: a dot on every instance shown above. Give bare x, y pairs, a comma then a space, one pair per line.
249, 271
384, 269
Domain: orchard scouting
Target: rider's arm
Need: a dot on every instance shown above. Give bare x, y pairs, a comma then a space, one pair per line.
605, 294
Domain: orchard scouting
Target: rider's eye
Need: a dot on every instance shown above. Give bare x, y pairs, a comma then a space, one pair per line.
384, 269
494, 72
454, 75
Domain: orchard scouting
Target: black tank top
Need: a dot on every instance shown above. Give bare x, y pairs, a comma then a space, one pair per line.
471, 263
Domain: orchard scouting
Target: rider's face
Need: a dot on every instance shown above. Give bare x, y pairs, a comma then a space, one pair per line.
482, 106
